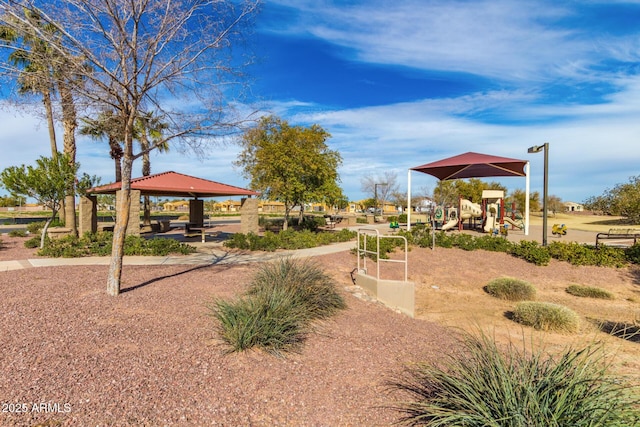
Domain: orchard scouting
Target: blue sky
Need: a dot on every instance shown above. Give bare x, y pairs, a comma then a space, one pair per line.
403, 83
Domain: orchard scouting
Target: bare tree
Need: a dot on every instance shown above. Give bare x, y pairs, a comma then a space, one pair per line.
381, 187
170, 59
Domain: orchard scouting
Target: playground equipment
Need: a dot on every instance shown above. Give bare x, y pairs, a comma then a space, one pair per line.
559, 229
492, 213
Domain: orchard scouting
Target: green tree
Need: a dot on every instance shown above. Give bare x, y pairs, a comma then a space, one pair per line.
623, 200
290, 164
554, 204
333, 197
519, 197
11, 201
448, 192
46, 182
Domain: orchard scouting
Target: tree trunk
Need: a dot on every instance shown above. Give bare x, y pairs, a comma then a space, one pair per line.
285, 224
69, 124
46, 100
43, 236
123, 204
116, 153
146, 171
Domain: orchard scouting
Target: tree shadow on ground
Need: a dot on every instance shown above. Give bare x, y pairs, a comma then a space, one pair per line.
634, 274
227, 260
626, 331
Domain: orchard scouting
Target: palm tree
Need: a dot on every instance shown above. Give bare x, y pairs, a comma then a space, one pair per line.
109, 126
148, 131
34, 58
41, 73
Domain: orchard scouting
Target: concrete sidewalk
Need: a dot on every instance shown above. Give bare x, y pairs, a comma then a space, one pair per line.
212, 256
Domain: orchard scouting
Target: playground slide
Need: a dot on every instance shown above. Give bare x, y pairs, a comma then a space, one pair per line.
450, 224
514, 224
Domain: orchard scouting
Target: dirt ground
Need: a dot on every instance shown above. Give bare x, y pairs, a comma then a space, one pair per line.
150, 356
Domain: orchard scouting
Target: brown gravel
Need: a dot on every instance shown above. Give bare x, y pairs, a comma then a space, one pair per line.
71, 355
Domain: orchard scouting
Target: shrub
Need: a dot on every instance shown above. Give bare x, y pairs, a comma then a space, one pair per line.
483, 386
35, 227
99, 244
32, 243
531, 252
267, 322
18, 233
493, 244
277, 311
312, 290
546, 316
511, 289
579, 254
589, 292
287, 239
632, 254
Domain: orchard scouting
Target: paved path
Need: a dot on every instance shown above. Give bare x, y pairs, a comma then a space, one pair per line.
210, 257
215, 254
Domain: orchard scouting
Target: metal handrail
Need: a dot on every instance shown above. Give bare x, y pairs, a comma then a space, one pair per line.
364, 251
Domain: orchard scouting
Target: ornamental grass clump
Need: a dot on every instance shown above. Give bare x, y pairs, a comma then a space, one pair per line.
511, 289
589, 292
277, 313
546, 316
486, 386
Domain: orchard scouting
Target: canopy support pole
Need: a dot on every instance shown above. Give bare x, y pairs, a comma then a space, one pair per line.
526, 198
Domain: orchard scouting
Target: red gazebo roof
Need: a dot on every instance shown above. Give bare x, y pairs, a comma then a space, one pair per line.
473, 165
175, 184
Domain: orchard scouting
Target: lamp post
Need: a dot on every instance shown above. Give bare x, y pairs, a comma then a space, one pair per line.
537, 149
375, 195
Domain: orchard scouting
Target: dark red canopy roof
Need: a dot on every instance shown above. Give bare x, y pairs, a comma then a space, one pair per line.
176, 185
473, 165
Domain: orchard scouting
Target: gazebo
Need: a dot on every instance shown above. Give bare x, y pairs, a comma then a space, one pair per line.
474, 165
173, 184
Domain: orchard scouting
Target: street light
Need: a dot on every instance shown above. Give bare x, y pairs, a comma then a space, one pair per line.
537, 149
375, 191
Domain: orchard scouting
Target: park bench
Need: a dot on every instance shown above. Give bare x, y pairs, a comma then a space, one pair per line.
619, 234
331, 220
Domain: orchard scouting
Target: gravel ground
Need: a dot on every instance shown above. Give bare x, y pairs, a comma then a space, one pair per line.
71, 355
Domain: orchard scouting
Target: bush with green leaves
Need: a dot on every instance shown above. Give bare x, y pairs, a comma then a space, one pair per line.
484, 385
99, 244
287, 239
579, 254
632, 254
546, 316
589, 292
532, 252
276, 314
511, 289
18, 233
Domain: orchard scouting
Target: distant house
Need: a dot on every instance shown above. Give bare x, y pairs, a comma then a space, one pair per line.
573, 207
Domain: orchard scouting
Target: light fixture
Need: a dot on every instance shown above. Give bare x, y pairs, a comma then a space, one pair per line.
537, 149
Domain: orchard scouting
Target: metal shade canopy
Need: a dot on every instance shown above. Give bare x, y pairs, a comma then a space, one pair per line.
473, 165
176, 185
